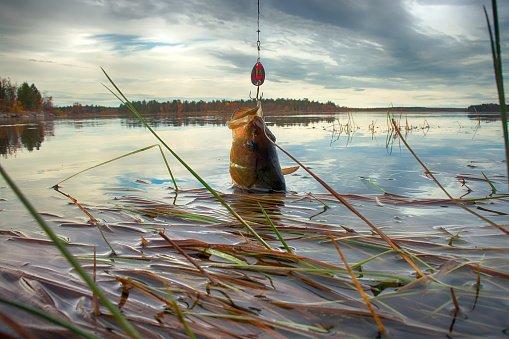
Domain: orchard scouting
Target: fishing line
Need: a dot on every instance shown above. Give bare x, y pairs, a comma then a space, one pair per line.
258, 72
258, 31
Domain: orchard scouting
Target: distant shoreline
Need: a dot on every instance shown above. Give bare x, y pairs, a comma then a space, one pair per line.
113, 112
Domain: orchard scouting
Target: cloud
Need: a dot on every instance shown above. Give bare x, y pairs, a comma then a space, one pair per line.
122, 42
46, 61
386, 50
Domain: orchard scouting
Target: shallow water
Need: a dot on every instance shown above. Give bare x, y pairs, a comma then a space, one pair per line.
41, 153
131, 198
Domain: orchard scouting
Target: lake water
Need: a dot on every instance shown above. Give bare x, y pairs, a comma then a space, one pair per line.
357, 155
38, 153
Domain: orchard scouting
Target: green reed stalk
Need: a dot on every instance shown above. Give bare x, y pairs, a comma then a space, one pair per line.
180, 316
497, 64
70, 258
372, 183
123, 156
493, 189
275, 229
126, 102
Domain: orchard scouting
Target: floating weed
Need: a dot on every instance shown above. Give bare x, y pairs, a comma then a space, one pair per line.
305, 293
191, 260
92, 218
70, 258
359, 288
352, 209
454, 237
428, 172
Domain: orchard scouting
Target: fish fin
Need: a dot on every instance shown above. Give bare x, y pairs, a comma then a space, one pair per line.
289, 170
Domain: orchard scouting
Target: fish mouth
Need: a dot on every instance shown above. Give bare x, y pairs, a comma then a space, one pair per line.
243, 116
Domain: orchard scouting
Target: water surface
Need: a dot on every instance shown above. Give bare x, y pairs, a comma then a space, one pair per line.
358, 155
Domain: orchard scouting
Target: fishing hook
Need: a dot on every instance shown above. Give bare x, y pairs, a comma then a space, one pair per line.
258, 96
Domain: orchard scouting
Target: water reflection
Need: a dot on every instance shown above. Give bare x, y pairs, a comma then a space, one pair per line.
18, 133
484, 116
29, 132
177, 120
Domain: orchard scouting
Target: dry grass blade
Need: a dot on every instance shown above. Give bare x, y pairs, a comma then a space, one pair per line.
191, 260
74, 201
428, 172
92, 219
457, 308
357, 213
129, 282
359, 288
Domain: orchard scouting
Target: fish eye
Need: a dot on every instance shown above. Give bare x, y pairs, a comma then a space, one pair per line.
252, 145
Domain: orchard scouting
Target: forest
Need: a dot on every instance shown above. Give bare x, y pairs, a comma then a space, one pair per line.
484, 108
228, 106
28, 98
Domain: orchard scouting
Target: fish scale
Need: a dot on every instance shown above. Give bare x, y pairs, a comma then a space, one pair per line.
254, 163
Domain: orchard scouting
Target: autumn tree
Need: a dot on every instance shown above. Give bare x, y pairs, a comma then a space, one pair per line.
29, 97
36, 97
77, 108
7, 94
47, 103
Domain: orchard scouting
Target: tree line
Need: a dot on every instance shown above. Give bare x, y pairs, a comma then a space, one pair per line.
23, 98
228, 106
28, 98
484, 108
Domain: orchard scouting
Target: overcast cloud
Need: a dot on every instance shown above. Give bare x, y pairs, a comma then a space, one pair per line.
355, 53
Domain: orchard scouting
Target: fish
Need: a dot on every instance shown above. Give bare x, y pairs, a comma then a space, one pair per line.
254, 163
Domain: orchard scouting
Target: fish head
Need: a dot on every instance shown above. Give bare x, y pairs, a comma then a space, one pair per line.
253, 158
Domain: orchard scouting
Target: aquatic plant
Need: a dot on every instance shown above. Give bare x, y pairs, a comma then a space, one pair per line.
497, 65
70, 258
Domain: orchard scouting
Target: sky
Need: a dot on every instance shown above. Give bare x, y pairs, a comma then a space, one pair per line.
355, 53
